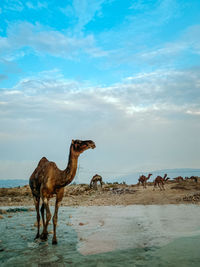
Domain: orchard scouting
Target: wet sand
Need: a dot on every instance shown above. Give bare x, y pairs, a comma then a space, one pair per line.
135, 235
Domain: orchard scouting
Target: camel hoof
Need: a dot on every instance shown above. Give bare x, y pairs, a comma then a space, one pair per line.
37, 236
54, 242
44, 236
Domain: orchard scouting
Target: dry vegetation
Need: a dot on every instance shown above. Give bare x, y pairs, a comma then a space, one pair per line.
186, 191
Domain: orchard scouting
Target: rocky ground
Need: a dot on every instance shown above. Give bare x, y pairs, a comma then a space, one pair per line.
111, 194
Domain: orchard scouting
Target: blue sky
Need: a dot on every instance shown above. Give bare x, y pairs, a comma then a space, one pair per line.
123, 73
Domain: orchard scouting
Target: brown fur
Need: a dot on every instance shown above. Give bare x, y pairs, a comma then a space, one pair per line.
96, 178
160, 181
47, 180
143, 180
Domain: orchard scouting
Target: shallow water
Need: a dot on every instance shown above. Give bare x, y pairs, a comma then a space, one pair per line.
139, 235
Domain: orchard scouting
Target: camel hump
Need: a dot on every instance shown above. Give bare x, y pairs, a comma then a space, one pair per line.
42, 161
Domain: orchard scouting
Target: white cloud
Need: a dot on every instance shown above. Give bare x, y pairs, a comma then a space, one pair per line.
150, 119
14, 5
37, 5
84, 11
42, 40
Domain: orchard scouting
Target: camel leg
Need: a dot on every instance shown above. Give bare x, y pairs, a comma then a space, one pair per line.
95, 185
154, 187
42, 212
37, 205
59, 197
163, 186
48, 218
160, 187
143, 183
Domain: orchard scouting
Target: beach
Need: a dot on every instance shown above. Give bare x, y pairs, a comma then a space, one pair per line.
111, 194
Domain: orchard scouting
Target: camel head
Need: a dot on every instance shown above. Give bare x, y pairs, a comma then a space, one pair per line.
80, 146
149, 175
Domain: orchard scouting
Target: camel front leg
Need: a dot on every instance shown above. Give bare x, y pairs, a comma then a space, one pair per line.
37, 205
48, 218
59, 197
163, 186
160, 187
42, 212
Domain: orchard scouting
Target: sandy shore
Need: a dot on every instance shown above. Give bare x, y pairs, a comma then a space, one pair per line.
111, 194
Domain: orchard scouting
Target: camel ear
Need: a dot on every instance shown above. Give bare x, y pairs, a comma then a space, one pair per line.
72, 141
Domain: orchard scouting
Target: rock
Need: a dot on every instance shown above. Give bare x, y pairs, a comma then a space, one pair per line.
3, 211
31, 209
1, 217
81, 223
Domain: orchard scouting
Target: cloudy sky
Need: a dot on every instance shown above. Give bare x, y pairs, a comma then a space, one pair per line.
124, 73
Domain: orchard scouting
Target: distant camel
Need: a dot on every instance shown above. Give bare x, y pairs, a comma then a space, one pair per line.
143, 180
194, 178
96, 178
179, 179
47, 180
159, 181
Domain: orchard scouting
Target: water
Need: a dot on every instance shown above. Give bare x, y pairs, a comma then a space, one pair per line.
13, 183
139, 235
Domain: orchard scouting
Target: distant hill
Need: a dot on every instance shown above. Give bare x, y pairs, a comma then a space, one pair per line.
171, 173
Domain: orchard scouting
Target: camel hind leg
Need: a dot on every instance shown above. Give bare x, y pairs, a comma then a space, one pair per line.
48, 218
37, 206
59, 197
42, 213
160, 186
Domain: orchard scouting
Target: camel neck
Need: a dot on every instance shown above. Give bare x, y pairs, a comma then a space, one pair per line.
70, 172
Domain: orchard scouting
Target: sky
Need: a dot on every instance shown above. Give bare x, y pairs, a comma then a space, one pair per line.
123, 73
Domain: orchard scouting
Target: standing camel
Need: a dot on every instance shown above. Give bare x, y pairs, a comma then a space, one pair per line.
160, 182
143, 180
179, 179
47, 180
194, 178
96, 178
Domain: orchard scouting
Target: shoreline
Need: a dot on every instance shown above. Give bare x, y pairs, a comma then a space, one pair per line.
185, 192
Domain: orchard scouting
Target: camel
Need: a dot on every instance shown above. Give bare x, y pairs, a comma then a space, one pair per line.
179, 179
160, 182
194, 178
143, 180
47, 180
96, 178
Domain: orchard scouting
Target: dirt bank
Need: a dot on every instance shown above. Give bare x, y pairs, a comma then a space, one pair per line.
111, 194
